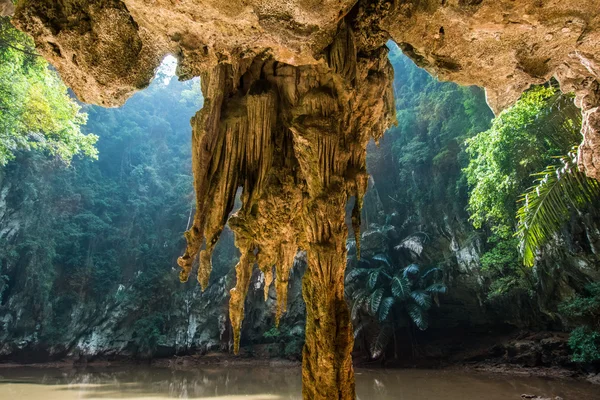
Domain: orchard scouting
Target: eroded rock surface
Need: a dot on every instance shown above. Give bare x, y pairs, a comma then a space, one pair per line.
294, 137
107, 49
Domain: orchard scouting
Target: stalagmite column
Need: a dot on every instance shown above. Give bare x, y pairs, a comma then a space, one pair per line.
327, 371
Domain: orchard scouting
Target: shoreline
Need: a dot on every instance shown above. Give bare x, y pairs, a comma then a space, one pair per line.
226, 360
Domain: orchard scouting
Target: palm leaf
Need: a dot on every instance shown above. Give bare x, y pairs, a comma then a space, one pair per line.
383, 258
385, 307
373, 277
358, 328
422, 298
400, 287
380, 341
431, 272
355, 273
413, 243
359, 299
436, 288
417, 316
411, 270
547, 205
375, 301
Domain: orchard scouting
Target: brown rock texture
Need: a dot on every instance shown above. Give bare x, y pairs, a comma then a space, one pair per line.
107, 49
294, 137
294, 90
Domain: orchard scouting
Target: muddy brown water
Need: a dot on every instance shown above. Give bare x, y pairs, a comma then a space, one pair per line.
272, 383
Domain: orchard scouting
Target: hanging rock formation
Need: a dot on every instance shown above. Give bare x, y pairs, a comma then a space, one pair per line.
293, 91
295, 139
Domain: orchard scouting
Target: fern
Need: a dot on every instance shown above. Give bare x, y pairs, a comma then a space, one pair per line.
547, 205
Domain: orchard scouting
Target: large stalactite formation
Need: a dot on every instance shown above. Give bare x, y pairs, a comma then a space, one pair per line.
293, 92
295, 139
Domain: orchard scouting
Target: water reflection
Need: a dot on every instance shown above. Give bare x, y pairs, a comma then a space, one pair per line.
276, 383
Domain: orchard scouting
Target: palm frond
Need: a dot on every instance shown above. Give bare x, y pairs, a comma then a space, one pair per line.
436, 288
373, 277
548, 204
411, 271
380, 341
400, 287
375, 301
422, 298
417, 316
383, 258
385, 307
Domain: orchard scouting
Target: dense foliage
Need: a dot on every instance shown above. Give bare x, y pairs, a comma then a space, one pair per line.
521, 141
102, 234
543, 125
584, 310
559, 190
417, 167
36, 111
390, 296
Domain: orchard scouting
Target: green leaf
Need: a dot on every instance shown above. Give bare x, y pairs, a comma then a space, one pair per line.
355, 273
385, 307
359, 299
411, 271
422, 298
433, 272
548, 205
436, 288
373, 277
375, 301
383, 258
380, 341
417, 316
400, 287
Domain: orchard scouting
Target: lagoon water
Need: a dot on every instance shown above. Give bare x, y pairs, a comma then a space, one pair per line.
275, 383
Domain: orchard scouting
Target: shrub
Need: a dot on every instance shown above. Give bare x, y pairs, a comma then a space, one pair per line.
585, 344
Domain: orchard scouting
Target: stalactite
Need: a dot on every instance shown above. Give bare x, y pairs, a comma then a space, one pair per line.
284, 266
243, 273
295, 139
205, 130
